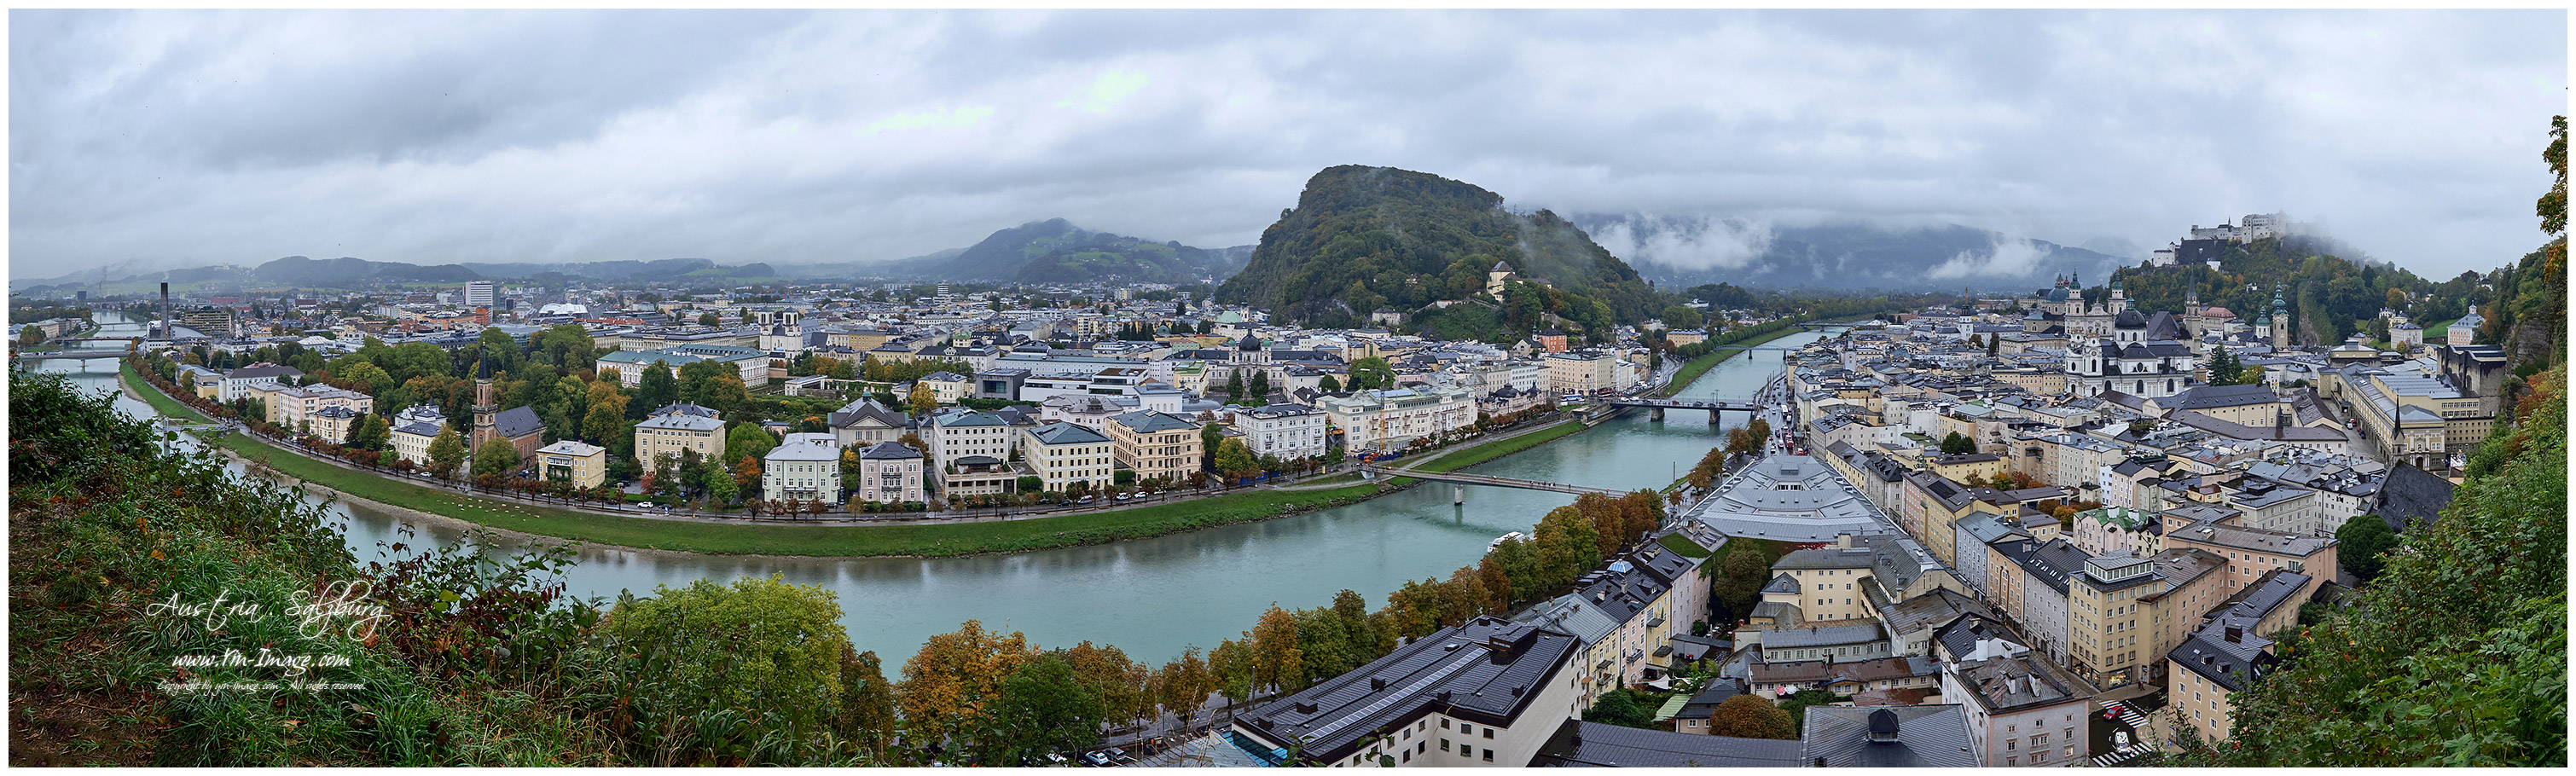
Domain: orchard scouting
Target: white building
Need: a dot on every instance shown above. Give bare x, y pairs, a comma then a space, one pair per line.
479, 293
266, 373
957, 433
804, 467
1287, 431
1390, 420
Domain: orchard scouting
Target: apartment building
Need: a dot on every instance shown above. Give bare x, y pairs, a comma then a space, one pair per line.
1061, 454
1155, 444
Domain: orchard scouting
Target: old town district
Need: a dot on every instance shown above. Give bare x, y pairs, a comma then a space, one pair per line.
2026, 531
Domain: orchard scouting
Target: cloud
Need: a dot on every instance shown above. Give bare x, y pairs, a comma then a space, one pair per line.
1112, 88
174, 138
2009, 258
1700, 243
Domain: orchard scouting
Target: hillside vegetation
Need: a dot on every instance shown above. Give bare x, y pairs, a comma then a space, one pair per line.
136, 575
1362, 238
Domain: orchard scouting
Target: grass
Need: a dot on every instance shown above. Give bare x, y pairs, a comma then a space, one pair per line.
1461, 459
160, 402
1689, 549
1692, 369
822, 540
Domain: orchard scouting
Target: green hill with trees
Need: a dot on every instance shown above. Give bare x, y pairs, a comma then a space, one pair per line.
1362, 238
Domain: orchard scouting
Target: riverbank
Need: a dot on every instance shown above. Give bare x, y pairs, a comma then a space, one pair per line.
820, 540
1692, 369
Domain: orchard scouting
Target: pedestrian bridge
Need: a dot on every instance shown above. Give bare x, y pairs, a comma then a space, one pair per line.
1372, 471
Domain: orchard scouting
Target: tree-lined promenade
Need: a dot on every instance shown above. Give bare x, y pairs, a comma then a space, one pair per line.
564, 516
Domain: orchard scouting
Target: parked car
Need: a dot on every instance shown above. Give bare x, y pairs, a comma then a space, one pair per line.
1086, 499
1100, 759
1120, 497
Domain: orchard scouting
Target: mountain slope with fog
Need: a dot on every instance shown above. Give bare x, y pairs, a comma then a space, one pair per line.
1688, 251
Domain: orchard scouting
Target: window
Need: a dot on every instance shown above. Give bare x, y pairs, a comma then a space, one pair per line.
1464, 750
1422, 746
1408, 735
1489, 731
2011, 744
1489, 755
1444, 744
1444, 724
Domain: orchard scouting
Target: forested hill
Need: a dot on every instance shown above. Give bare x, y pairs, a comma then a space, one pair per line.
1362, 238
1056, 251
2328, 297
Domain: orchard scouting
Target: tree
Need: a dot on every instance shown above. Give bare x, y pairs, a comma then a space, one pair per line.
1231, 666
1957, 444
760, 646
952, 686
923, 400
1234, 387
445, 453
1186, 682
1620, 707
1328, 385
749, 440
1260, 386
1372, 373
606, 417
655, 390
2225, 368
1043, 709
496, 457
369, 432
2364, 539
1751, 716
363, 376
1235, 461
1681, 317
1741, 575
31, 335
708, 318
1210, 436
1277, 661
1796, 705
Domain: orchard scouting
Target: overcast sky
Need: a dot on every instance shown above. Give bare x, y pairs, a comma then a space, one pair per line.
170, 138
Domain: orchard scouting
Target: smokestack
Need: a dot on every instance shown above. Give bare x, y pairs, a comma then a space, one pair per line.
166, 328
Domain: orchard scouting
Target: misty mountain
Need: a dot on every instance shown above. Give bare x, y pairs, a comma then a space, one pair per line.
1836, 257
1056, 251
345, 272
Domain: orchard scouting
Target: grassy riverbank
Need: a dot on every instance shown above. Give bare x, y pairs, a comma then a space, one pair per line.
840, 540
1461, 459
939, 540
160, 402
1692, 369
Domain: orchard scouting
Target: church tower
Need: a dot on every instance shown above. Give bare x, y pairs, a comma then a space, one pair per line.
484, 407
2280, 321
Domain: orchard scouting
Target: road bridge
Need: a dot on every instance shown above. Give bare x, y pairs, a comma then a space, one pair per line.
1658, 406
83, 355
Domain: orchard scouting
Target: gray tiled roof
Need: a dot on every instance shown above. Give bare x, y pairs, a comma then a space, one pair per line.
1580, 744
1925, 737
1488, 670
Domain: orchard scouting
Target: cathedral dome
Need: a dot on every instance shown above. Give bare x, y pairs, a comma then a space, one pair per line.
2129, 319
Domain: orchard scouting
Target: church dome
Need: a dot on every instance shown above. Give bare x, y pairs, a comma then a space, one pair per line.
1248, 344
2129, 319
2057, 294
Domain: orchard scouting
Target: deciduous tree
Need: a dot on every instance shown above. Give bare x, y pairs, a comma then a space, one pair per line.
1751, 716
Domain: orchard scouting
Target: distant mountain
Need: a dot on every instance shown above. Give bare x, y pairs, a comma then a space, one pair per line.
601, 270
1837, 257
347, 272
1362, 238
1056, 251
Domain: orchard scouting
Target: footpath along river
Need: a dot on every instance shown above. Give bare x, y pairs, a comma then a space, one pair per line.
1154, 597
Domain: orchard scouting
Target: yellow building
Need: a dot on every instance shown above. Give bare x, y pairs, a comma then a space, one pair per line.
1155, 444
670, 434
583, 465
1061, 454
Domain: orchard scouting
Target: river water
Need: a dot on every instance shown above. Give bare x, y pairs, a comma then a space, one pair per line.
1155, 597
